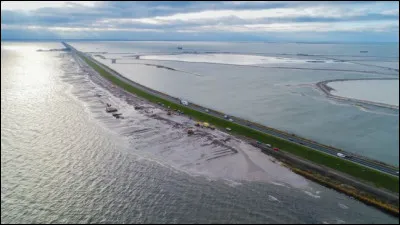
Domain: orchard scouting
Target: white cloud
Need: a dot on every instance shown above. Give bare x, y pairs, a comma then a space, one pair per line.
252, 2
315, 27
33, 5
278, 13
92, 17
391, 12
75, 29
374, 26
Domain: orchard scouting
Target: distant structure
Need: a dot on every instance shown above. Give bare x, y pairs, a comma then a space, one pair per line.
180, 48
113, 60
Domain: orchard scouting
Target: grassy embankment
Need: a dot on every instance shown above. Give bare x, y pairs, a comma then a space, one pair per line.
371, 176
351, 191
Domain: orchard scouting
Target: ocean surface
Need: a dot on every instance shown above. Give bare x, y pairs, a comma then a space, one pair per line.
64, 161
272, 84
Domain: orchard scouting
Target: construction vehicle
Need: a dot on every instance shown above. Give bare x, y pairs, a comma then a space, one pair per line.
111, 109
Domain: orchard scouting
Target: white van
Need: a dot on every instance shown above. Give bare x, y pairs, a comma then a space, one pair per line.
184, 102
341, 155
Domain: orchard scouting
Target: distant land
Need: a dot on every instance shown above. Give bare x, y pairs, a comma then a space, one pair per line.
234, 41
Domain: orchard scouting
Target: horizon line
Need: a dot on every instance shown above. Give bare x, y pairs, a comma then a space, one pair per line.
258, 41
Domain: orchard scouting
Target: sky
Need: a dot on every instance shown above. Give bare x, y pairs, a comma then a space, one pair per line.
294, 21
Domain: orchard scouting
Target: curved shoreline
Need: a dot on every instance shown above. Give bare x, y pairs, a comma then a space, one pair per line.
322, 85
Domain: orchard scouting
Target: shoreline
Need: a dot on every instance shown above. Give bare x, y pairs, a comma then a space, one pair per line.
381, 194
256, 126
364, 192
225, 147
324, 87
151, 94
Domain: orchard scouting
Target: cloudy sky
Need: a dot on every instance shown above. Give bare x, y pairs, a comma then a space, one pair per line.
221, 21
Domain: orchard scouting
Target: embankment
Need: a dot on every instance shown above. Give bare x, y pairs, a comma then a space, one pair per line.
367, 193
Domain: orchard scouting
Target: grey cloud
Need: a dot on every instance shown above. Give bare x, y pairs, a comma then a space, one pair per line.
78, 16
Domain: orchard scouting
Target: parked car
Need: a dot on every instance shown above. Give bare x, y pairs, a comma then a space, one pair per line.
184, 102
276, 149
341, 155
230, 119
228, 129
268, 145
226, 116
206, 110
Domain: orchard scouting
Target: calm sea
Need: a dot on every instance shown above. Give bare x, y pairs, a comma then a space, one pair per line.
63, 163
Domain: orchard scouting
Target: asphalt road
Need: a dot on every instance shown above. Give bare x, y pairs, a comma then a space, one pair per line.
288, 137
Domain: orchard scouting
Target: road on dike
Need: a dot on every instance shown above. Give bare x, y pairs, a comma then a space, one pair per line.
288, 137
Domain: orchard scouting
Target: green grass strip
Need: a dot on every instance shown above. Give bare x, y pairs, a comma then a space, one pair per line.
379, 179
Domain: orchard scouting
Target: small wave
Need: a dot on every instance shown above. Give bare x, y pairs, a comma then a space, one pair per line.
232, 183
342, 206
339, 221
272, 198
312, 195
363, 108
278, 184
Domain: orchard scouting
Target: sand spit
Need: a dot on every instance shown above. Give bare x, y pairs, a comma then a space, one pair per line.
324, 87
